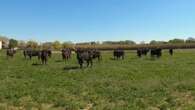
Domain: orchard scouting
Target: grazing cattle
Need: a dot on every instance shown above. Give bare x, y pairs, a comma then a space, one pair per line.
141, 52
171, 52
66, 54
156, 52
10, 53
49, 51
145, 51
25, 53
32, 53
44, 56
118, 53
96, 54
84, 55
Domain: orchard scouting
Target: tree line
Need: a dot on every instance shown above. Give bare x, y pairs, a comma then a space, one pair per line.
56, 45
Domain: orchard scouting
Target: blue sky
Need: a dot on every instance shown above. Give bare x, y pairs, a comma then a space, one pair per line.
97, 20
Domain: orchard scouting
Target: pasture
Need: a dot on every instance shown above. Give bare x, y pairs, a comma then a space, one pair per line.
130, 84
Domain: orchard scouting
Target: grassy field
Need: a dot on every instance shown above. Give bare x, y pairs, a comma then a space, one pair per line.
167, 83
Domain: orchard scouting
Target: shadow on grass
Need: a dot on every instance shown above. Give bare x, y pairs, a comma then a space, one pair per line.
190, 63
115, 59
71, 67
59, 61
152, 58
36, 64
134, 58
112, 59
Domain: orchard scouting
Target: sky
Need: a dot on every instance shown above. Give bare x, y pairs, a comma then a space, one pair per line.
97, 20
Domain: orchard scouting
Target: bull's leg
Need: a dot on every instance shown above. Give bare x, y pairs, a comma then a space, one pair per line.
42, 61
39, 57
152, 57
158, 56
81, 63
87, 63
65, 59
46, 61
139, 55
62, 57
98, 58
91, 62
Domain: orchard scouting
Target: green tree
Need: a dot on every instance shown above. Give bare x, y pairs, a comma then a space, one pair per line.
190, 40
177, 41
130, 42
32, 44
56, 45
13, 43
47, 45
3, 38
67, 45
154, 42
21, 44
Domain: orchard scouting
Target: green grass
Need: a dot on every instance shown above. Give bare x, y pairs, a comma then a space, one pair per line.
130, 84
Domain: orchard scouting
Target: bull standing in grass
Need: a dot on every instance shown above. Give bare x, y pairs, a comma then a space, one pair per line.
66, 54
171, 52
141, 52
31, 53
84, 56
118, 53
96, 54
10, 52
44, 56
156, 52
49, 52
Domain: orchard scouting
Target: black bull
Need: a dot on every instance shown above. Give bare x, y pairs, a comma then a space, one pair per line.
171, 52
118, 53
83, 56
66, 54
96, 54
141, 52
42, 55
32, 53
156, 52
10, 53
87, 56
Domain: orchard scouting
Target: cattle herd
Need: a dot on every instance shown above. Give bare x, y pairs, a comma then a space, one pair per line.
84, 55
